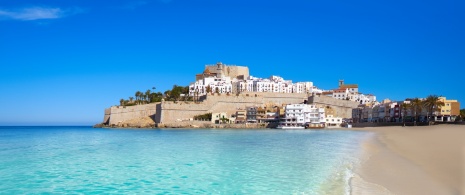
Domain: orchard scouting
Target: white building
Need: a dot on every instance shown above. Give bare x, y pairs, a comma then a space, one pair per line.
345, 94
220, 117
220, 85
301, 114
332, 121
273, 84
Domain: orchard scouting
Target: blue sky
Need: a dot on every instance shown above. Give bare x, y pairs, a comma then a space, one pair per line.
63, 62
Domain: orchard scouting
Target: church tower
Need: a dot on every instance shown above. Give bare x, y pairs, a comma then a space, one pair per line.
219, 70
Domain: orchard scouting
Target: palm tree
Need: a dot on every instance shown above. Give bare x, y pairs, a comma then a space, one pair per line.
404, 107
432, 104
121, 102
131, 98
416, 107
138, 96
147, 95
462, 114
185, 91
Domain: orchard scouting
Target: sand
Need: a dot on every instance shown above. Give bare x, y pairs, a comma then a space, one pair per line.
412, 160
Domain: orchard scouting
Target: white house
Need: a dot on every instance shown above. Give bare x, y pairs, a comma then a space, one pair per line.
332, 121
301, 114
222, 85
219, 117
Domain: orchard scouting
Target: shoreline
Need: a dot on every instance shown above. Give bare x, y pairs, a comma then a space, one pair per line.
411, 160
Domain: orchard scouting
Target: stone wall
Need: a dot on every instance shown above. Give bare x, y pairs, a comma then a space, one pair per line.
232, 71
119, 114
183, 111
175, 112
106, 117
343, 108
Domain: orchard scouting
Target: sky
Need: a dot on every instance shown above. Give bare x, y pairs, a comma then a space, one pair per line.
64, 62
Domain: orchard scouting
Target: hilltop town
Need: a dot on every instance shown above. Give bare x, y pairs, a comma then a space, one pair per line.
228, 96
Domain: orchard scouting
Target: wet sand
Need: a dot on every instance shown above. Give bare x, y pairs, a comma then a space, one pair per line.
412, 160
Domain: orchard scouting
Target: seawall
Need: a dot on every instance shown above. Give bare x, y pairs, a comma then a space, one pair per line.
169, 112
116, 115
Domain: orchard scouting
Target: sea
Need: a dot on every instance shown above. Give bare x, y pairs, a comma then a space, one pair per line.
86, 160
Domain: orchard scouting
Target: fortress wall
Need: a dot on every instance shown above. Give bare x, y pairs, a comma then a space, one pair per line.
343, 108
170, 112
106, 117
230, 70
118, 114
235, 71
181, 111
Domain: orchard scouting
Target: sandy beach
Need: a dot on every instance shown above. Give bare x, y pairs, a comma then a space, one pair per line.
412, 160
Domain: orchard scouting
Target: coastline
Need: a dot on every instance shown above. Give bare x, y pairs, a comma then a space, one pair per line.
411, 160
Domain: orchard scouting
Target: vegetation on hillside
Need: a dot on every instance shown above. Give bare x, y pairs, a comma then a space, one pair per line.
177, 93
203, 117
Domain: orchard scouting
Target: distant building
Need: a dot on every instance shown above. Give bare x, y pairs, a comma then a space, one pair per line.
350, 92
302, 114
222, 70
251, 114
241, 116
220, 117
449, 111
332, 121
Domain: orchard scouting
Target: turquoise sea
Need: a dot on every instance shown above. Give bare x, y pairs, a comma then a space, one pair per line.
84, 160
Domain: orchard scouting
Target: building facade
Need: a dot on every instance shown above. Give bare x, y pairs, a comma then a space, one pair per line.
302, 114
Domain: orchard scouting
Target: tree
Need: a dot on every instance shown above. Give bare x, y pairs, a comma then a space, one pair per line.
416, 106
404, 107
224, 120
147, 95
462, 113
203, 117
131, 98
121, 102
185, 91
156, 97
208, 89
167, 94
433, 104
217, 90
138, 96
176, 92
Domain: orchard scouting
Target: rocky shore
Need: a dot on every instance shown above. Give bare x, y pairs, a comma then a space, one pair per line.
147, 122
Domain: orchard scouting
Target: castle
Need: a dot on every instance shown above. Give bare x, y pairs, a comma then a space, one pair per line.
231, 89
